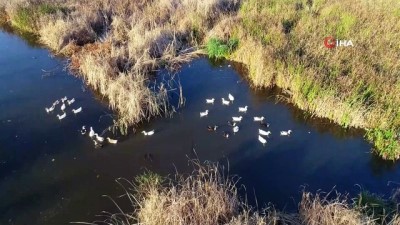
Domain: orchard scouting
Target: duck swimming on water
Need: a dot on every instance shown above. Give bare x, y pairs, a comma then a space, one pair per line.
235, 129
286, 133
212, 128
258, 119
60, 117
71, 101
237, 119
64, 99
225, 102
148, 133
231, 98
262, 140
225, 134
263, 132
99, 138
112, 141
91, 132
56, 102
83, 130
78, 110
243, 109
49, 109
203, 114
210, 101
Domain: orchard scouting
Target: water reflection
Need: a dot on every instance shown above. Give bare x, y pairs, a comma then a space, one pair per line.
31, 39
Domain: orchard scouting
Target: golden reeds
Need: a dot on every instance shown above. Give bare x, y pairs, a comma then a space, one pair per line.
209, 196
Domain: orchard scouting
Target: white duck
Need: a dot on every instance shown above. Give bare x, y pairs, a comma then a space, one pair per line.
83, 130
91, 132
112, 141
203, 114
225, 102
226, 134
99, 138
231, 98
63, 107
262, 140
49, 109
237, 119
263, 132
64, 99
258, 119
78, 110
56, 102
60, 117
212, 128
286, 133
97, 144
210, 101
71, 101
243, 109
235, 129
148, 133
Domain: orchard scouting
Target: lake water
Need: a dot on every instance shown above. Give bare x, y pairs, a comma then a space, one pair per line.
51, 174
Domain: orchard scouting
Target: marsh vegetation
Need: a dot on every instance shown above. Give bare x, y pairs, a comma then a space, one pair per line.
116, 45
209, 196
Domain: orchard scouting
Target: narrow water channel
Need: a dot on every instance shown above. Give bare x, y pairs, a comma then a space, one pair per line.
51, 174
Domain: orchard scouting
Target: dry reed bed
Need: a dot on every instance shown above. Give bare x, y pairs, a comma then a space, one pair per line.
209, 196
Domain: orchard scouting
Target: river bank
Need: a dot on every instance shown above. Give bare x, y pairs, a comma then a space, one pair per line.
116, 47
209, 196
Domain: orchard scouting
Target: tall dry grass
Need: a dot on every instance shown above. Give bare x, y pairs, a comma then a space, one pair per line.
209, 196
355, 87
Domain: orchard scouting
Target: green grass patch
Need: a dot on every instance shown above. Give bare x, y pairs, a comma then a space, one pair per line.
148, 179
48, 8
386, 142
218, 49
375, 206
25, 18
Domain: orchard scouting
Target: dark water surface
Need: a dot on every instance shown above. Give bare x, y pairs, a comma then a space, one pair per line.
51, 174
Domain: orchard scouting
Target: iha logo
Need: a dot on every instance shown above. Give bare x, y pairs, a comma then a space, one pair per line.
331, 42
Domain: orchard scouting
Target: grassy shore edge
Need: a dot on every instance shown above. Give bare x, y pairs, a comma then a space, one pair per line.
209, 196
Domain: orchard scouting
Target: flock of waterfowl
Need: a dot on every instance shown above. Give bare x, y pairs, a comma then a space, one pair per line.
234, 122
98, 140
65, 102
